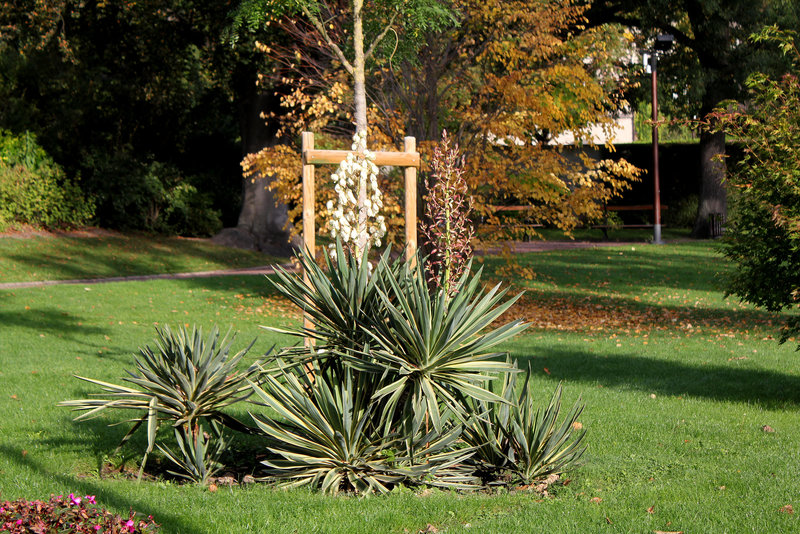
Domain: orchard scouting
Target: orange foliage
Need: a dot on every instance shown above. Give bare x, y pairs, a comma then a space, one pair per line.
511, 77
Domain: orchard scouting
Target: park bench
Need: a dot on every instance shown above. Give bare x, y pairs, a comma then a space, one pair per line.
606, 209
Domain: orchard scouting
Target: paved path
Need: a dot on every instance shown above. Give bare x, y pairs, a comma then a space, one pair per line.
518, 246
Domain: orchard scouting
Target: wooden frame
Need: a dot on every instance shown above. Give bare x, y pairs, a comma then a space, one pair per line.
408, 159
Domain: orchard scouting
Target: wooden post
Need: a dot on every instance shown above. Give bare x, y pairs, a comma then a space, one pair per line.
309, 231
410, 146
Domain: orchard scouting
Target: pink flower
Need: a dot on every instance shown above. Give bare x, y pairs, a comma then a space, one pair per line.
90, 499
19, 521
130, 525
97, 527
74, 500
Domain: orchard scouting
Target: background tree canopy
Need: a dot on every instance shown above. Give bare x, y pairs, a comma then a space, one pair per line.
148, 106
710, 63
504, 79
141, 101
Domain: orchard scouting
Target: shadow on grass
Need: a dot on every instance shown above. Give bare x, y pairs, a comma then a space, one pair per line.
693, 266
768, 389
50, 321
106, 496
67, 258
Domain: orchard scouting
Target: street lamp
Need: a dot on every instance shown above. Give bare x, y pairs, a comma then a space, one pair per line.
662, 44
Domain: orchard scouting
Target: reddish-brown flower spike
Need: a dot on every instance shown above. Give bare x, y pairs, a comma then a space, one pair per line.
447, 228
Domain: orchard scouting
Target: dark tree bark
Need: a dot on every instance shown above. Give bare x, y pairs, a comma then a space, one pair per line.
713, 200
263, 220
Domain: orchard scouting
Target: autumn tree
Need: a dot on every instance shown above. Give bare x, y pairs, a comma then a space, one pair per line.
507, 79
329, 36
712, 59
764, 237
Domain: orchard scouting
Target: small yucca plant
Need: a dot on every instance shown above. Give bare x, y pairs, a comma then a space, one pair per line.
200, 452
186, 379
520, 439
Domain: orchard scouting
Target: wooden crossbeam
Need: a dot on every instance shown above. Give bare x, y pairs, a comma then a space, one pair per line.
335, 157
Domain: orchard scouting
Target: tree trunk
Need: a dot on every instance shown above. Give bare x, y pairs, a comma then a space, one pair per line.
713, 200
263, 220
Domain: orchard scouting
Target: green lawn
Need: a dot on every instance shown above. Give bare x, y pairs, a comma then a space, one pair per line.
675, 408
64, 258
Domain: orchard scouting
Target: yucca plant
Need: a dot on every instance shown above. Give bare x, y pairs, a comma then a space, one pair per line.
329, 434
431, 349
200, 452
325, 434
520, 439
341, 298
541, 446
185, 379
439, 349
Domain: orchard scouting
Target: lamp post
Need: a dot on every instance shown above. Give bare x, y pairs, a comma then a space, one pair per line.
662, 44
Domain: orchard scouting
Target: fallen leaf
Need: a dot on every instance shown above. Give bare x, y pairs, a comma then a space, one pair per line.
546, 370
651, 510
13, 397
768, 429
609, 521
577, 425
429, 529
668, 531
786, 509
652, 395
212, 488
596, 500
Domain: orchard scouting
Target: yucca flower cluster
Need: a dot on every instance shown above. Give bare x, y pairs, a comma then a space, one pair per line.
355, 215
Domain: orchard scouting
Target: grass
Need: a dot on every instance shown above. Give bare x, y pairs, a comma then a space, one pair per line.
104, 256
675, 409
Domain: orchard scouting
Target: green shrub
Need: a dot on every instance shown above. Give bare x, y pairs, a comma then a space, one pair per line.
33, 188
139, 193
68, 514
763, 236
